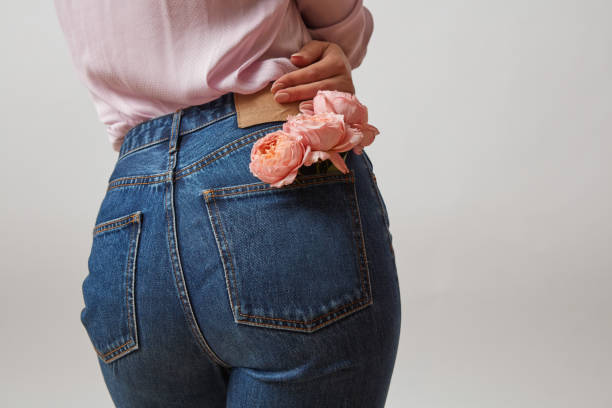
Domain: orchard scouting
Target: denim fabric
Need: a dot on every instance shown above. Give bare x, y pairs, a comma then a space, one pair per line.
209, 288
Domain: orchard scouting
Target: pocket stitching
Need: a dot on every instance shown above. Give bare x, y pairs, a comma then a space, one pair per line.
230, 261
210, 195
362, 253
134, 236
258, 187
121, 221
381, 205
223, 151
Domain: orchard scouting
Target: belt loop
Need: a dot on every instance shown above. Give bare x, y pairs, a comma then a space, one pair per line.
173, 144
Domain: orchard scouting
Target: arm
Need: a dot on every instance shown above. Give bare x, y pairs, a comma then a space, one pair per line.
347, 23
341, 31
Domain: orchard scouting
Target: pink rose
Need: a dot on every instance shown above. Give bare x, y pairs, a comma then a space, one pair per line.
354, 112
306, 107
322, 132
276, 158
343, 103
327, 125
326, 134
368, 133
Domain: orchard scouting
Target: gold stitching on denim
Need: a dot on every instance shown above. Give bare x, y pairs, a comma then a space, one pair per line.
136, 177
238, 143
186, 132
348, 179
132, 218
158, 141
310, 329
301, 181
383, 211
113, 227
188, 314
211, 217
123, 353
361, 249
179, 174
131, 258
198, 168
115, 349
133, 281
122, 221
135, 184
344, 306
363, 263
115, 220
231, 262
211, 194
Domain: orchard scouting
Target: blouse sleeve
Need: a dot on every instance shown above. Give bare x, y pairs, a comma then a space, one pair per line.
347, 23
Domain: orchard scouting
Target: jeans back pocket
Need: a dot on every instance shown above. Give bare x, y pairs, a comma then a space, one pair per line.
294, 257
109, 314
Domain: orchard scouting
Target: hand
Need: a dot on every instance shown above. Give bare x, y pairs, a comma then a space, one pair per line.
323, 66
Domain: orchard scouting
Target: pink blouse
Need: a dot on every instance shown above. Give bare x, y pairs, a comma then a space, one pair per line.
141, 58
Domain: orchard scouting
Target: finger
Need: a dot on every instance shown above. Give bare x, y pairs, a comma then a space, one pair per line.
310, 52
308, 91
326, 68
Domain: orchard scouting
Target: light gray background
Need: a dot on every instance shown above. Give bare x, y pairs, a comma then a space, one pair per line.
494, 161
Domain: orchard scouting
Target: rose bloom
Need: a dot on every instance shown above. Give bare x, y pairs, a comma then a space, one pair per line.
276, 158
306, 107
326, 134
343, 103
354, 112
322, 132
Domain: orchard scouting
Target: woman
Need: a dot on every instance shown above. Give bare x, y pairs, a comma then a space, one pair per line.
207, 287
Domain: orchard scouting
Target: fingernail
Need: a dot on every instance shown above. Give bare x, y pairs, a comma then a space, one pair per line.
297, 54
277, 85
281, 97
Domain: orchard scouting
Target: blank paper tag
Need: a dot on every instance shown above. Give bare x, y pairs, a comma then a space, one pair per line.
260, 107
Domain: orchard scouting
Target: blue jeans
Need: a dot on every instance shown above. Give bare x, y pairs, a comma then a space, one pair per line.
208, 288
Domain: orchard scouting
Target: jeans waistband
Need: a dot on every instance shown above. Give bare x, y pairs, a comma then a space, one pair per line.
193, 118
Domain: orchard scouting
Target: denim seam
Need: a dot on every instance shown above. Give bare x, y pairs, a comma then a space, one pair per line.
308, 329
230, 261
222, 152
136, 184
127, 280
127, 178
251, 188
186, 132
130, 281
113, 227
188, 313
119, 221
117, 350
301, 180
205, 161
177, 270
344, 309
158, 141
363, 263
346, 306
383, 212
134, 234
211, 218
